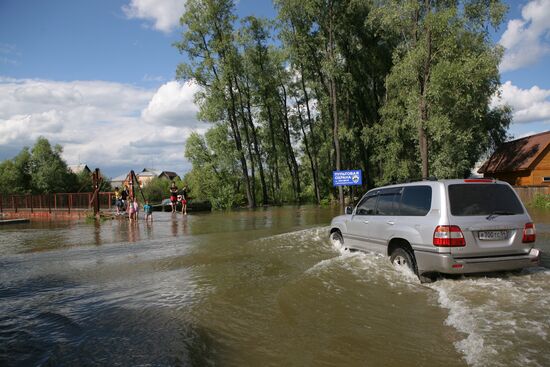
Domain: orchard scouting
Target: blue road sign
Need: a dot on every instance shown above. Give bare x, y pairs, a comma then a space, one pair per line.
347, 178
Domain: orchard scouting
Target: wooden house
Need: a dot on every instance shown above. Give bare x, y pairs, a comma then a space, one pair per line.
521, 162
79, 168
148, 174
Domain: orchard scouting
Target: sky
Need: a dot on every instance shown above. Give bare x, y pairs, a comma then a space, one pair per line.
98, 78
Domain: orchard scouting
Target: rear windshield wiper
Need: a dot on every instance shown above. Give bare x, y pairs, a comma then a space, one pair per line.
496, 213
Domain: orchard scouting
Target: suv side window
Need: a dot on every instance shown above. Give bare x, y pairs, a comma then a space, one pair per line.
388, 201
367, 205
416, 200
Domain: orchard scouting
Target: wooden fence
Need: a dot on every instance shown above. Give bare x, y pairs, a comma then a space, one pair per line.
528, 193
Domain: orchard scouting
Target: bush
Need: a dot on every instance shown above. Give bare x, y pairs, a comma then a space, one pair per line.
541, 201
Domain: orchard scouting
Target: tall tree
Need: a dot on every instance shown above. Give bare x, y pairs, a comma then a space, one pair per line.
15, 174
444, 73
48, 171
208, 41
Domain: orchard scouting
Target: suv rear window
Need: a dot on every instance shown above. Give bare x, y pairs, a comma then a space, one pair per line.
483, 199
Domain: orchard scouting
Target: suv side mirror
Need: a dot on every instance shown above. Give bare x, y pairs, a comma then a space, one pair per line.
349, 210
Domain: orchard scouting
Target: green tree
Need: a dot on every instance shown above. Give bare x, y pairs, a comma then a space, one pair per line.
436, 119
208, 41
14, 174
215, 175
399, 88
48, 171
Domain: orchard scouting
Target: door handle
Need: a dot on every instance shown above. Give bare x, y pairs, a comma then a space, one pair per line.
366, 221
390, 222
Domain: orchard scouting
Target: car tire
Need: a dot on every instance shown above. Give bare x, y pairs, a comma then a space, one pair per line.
402, 257
336, 239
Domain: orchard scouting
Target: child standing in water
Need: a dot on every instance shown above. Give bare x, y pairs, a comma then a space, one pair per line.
124, 197
148, 210
118, 200
131, 209
136, 209
184, 199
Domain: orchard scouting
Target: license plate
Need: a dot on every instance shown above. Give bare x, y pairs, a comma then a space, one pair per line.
493, 235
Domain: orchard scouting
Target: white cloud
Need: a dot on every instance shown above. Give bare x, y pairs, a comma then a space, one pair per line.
165, 14
26, 128
172, 104
528, 105
103, 124
526, 40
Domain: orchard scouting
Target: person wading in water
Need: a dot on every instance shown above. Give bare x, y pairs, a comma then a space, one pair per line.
184, 193
173, 196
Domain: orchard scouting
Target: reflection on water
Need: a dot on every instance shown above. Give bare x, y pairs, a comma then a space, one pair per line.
251, 288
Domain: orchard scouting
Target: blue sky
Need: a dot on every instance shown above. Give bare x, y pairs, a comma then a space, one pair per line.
98, 78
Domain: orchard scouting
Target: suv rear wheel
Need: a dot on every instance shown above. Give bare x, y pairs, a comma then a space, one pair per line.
403, 258
336, 239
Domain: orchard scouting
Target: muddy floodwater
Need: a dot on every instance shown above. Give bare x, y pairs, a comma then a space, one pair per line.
252, 288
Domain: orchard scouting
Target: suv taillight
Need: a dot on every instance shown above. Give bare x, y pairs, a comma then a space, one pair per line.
529, 233
448, 236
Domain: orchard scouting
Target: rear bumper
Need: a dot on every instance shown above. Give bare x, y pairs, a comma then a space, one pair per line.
428, 262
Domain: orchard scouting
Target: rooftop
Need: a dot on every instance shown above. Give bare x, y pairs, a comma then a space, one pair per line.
517, 155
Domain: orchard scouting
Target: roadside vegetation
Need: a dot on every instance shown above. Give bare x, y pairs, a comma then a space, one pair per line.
541, 201
399, 89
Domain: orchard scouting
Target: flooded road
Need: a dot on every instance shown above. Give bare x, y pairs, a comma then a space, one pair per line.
252, 288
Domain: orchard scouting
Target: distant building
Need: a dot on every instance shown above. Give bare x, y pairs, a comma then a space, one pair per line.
521, 162
79, 168
119, 181
169, 175
146, 175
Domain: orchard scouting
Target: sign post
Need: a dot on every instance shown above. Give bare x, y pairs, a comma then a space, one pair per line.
347, 178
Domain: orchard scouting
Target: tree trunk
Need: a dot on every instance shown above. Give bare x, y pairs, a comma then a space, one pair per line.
424, 78
265, 197
274, 156
237, 136
231, 113
313, 160
294, 169
334, 103
248, 144
308, 152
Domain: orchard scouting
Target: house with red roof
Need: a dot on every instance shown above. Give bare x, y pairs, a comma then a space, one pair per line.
521, 162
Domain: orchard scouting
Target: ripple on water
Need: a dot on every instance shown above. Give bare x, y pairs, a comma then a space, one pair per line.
502, 317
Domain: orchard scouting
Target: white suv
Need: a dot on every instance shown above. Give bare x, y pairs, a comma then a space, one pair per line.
448, 226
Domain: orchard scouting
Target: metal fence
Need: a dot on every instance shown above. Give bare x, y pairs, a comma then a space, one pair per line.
54, 202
